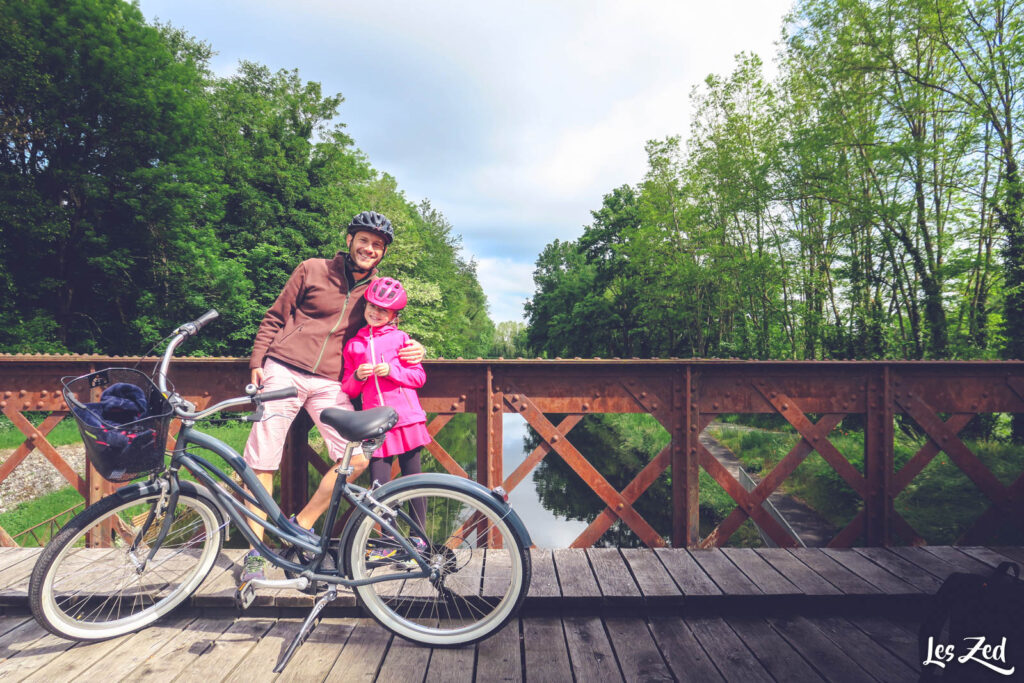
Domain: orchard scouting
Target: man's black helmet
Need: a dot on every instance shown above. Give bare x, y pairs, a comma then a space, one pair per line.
374, 222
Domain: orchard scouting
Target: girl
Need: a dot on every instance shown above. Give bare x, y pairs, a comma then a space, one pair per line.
374, 370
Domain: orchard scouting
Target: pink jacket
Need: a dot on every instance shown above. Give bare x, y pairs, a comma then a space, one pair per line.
398, 389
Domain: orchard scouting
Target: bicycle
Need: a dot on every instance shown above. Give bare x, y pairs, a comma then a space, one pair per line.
135, 555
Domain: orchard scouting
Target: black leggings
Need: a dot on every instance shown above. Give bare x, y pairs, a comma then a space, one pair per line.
380, 471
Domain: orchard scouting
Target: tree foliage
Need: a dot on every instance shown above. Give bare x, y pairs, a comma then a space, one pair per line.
864, 203
137, 190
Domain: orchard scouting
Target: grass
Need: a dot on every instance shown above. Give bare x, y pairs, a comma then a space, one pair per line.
63, 434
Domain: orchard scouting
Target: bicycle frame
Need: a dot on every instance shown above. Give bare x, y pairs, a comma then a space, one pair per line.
277, 523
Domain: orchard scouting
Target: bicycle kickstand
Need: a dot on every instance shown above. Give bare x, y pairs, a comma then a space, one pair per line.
307, 627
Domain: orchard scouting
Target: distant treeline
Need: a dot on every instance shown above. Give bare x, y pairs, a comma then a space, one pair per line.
866, 202
137, 190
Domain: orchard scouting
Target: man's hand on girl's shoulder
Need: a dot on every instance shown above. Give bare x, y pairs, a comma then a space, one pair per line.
413, 352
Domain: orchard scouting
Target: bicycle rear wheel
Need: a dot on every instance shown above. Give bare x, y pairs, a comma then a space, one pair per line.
480, 573
89, 585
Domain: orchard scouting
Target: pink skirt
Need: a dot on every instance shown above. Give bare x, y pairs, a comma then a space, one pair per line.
403, 439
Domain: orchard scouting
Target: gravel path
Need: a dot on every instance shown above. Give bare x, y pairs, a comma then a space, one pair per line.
35, 476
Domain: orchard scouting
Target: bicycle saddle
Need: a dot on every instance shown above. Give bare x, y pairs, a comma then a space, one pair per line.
360, 425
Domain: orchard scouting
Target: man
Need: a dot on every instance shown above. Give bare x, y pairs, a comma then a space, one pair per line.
300, 343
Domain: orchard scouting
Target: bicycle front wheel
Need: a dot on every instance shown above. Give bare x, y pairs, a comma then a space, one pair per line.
479, 572
89, 584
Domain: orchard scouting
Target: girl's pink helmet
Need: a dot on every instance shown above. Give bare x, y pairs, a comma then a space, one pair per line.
387, 292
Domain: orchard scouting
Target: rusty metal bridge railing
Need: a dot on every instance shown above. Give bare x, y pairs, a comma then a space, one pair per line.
684, 396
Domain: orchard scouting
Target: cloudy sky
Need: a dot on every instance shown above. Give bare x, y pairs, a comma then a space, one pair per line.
514, 119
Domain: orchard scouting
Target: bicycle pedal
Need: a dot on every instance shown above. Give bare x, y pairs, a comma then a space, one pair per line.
245, 594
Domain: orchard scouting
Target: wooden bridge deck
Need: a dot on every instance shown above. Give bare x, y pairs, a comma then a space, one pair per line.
599, 614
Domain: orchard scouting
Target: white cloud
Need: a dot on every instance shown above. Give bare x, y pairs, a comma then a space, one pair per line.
508, 284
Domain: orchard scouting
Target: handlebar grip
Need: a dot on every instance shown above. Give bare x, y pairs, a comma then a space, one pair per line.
278, 394
205, 318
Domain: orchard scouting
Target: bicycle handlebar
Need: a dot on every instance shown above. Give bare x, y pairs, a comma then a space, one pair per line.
277, 394
190, 329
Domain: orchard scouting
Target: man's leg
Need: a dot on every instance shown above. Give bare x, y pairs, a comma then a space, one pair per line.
265, 446
328, 394
321, 498
266, 478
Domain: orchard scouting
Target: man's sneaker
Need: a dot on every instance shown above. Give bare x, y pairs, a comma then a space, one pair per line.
252, 566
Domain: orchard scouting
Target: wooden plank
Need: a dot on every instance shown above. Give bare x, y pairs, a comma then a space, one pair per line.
138, 649
828, 569
1015, 552
764, 576
404, 661
499, 658
927, 561
726, 649
258, 664
575, 578
24, 657
590, 652
796, 572
961, 562
70, 665
497, 573
686, 572
773, 652
226, 651
651, 576
12, 556
315, 657
544, 581
724, 573
218, 590
636, 649
186, 645
21, 638
871, 656
900, 641
545, 655
905, 571
613, 575
14, 578
872, 573
363, 652
819, 650
990, 557
685, 656
451, 665
10, 622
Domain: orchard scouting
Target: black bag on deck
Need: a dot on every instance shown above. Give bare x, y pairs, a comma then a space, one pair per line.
975, 606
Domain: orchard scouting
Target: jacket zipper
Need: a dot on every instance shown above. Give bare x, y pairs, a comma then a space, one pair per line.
333, 329
373, 361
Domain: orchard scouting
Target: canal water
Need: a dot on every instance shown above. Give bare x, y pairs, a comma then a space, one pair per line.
547, 530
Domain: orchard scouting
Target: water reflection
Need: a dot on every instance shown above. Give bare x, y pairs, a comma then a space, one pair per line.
554, 503
549, 527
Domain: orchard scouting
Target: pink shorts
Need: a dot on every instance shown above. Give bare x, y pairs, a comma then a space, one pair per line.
265, 446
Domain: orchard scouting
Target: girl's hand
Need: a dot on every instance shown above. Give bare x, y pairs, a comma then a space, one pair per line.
382, 369
364, 371
257, 376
